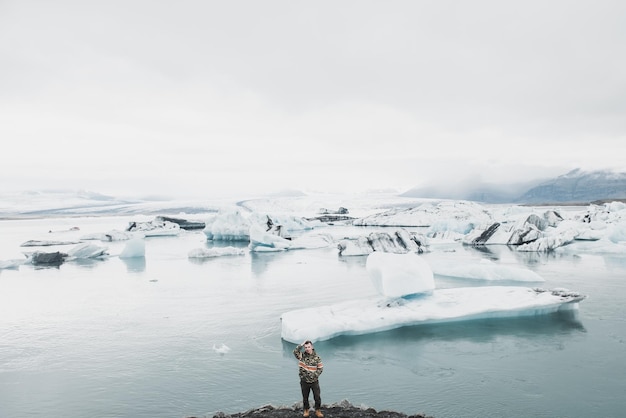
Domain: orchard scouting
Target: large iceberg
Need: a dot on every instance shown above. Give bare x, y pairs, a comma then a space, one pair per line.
408, 297
229, 225
356, 317
524, 229
235, 225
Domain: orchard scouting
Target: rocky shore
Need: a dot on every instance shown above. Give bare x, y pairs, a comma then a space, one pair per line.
342, 409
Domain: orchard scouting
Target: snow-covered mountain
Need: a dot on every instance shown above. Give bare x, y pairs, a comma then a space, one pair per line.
577, 186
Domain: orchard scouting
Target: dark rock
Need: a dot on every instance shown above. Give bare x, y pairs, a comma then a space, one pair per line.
48, 259
340, 410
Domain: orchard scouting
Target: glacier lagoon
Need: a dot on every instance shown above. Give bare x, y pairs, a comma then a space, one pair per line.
143, 337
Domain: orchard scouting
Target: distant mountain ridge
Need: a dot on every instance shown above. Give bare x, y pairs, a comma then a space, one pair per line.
576, 186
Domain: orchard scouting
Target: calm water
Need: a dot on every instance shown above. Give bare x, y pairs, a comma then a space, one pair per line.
135, 339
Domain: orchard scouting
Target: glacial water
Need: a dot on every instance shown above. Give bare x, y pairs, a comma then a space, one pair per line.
141, 338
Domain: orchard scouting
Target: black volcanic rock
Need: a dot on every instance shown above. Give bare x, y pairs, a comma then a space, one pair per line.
48, 259
340, 410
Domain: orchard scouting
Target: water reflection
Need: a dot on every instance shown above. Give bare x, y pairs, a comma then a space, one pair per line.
486, 252
261, 260
222, 244
527, 258
615, 261
88, 263
135, 264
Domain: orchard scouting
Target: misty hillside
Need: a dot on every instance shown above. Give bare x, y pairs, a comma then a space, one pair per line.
577, 186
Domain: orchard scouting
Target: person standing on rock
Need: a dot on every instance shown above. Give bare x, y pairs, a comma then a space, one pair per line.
310, 368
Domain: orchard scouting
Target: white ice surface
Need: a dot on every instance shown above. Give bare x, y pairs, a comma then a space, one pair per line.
134, 248
354, 317
215, 252
395, 275
487, 270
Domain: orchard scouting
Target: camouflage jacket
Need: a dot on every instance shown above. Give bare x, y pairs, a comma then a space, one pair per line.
309, 365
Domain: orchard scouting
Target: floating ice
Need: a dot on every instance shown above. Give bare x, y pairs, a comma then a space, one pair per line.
134, 248
395, 275
409, 298
11, 264
261, 240
399, 241
221, 349
154, 228
215, 252
228, 225
445, 305
86, 250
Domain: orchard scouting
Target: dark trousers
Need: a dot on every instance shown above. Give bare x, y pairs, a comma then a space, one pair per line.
306, 389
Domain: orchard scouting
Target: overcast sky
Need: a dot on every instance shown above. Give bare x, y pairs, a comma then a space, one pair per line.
197, 97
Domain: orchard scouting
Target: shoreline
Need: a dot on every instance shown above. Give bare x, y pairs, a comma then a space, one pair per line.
343, 409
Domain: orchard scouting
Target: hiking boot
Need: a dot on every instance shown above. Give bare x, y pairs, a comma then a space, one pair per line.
319, 414
306, 413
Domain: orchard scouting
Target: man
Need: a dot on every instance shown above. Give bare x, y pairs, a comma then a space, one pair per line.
309, 369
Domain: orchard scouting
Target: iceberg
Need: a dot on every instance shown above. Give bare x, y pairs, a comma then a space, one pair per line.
86, 250
523, 229
215, 252
400, 241
154, 228
408, 297
357, 317
11, 264
262, 241
110, 236
228, 225
134, 248
232, 225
